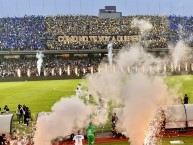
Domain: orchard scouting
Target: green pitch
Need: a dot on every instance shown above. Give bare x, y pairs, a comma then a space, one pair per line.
184, 85
41, 95
38, 95
187, 141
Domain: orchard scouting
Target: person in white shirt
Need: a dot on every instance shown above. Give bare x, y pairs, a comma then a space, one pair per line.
87, 97
79, 87
77, 92
78, 139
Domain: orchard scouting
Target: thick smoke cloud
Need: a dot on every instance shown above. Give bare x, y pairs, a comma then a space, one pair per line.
39, 56
67, 114
140, 92
143, 25
142, 96
179, 53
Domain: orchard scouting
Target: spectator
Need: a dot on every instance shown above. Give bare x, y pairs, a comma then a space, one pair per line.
38, 32
6, 109
185, 99
58, 65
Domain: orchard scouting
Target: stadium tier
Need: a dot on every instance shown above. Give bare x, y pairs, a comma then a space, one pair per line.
69, 32
51, 66
80, 66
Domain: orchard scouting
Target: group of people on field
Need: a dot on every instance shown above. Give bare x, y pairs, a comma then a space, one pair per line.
23, 114
79, 92
90, 131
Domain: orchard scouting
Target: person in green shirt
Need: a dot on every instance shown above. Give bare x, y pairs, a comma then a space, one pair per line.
90, 130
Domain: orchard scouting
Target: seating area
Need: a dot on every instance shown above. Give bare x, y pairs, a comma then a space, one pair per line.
41, 32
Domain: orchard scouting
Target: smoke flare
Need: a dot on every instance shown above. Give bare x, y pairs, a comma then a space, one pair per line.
39, 56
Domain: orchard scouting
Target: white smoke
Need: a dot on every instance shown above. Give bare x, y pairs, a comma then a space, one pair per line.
39, 56
179, 52
67, 114
134, 55
140, 94
110, 54
143, 25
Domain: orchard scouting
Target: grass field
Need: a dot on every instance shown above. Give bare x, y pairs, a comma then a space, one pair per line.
38, 95
187, 141
41, 95
184, 85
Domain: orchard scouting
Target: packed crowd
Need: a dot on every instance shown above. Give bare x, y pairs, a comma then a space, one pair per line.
38, 32
24, 33
93, 25
181, 28
50, 66
80, 66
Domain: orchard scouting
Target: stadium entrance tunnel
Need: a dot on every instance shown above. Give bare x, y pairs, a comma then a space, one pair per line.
6, 124
179, 116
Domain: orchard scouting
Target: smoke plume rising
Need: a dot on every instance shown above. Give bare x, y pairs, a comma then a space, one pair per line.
39, 56
143, 25
67, 114
142, 96
139, 93
179, 52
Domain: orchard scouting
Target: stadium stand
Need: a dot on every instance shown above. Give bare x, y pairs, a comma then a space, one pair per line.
52, 66
22, 33
26, 35
41, 33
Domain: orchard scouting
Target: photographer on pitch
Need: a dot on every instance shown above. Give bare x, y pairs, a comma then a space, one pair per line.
114, 123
